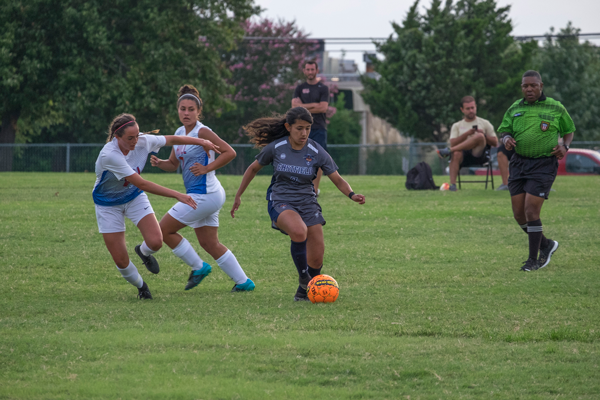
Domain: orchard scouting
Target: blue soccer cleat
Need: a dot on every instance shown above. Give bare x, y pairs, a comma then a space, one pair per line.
247, 286
198, 275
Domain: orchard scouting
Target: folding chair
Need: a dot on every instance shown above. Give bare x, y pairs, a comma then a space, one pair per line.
489, 175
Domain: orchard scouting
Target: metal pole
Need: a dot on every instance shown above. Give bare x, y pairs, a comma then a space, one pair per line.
68, 155
362, 152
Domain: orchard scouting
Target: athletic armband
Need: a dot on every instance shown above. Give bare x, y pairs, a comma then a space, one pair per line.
350, 195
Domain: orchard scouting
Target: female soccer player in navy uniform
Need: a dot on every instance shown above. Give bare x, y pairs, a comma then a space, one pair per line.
293, 205
198, 169
118, 193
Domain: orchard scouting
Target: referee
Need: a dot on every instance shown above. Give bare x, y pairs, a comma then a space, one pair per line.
531, 126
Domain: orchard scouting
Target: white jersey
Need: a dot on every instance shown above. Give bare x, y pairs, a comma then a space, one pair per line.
188, 155
112, 166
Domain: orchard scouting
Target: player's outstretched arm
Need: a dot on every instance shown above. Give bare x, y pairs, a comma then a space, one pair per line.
153, 188
345, 188
206, 144
166, 165
250, 173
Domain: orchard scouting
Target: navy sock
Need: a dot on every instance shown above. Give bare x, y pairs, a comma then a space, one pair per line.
298, 250
534, 231
543, 243
314, 271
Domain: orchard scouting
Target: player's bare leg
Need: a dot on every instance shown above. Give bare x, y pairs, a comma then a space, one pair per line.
503, 166
115, 243
153, 239
315, 249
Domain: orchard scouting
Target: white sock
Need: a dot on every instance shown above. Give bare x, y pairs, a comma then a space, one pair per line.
132, 275
231, 266
186, 252
146, 250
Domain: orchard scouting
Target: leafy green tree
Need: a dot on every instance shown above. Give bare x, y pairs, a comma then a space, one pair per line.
264, 74
68, 67
571, 74
344, 125
448, 52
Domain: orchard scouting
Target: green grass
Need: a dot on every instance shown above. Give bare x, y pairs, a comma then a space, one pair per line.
432, 303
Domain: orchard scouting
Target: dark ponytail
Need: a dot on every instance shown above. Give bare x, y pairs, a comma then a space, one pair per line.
265, 130
193, 95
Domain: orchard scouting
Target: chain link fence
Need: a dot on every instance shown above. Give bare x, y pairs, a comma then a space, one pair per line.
393, 159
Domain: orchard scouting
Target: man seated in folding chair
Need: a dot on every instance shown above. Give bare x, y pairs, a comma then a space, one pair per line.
469, 139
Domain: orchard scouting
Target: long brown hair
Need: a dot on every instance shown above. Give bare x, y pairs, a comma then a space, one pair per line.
265, 130
120, 123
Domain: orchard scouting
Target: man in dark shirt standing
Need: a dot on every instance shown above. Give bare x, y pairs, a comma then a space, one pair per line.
314, 96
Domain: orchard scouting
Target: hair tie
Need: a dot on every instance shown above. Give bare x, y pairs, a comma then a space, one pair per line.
188, 95
133, 120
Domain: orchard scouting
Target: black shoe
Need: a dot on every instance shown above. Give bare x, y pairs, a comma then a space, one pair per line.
443, 153
301, 295
144, 292
546, 253
149, 261
304, 281
530, 265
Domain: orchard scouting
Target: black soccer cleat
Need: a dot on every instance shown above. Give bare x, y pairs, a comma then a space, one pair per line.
443, 153
149, 261
144, 292
530, 265
546, 253
301, 295
304, 281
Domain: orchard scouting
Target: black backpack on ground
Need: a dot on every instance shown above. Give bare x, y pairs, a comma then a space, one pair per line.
420, 177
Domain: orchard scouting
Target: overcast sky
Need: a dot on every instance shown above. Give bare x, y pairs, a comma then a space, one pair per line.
371, 18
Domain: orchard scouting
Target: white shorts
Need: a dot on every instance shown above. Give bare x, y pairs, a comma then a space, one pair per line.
206, 212
111, 219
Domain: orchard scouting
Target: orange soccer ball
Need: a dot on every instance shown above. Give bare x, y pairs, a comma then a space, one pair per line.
323, 289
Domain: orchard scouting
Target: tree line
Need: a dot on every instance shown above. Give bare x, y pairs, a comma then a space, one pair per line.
68, 67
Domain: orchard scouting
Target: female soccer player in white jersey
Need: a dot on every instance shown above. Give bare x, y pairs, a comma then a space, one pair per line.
198, 168
118, 193
293, 205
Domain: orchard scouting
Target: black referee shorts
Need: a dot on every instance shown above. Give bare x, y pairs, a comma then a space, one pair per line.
532, 175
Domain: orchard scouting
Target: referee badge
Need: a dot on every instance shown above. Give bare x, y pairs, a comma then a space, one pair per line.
544, 126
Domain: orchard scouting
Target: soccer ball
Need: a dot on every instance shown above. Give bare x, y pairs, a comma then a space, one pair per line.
445, 186
323, 289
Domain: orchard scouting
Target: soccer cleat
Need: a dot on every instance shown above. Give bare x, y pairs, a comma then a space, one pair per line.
502, 187
452, 187
144, 292
304, 281
530, 265
301, 295
149, 261
247, 286
546, 253
198, 275
443, 153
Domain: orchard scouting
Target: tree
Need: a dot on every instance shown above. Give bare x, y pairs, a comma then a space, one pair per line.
344, 125
571, 74
69, 67
264, 73
449, 52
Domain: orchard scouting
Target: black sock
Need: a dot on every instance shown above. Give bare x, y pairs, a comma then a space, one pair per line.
314, 271
543, 243
534, 231
298, 250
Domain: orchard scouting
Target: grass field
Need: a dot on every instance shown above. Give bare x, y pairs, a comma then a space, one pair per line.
432, 303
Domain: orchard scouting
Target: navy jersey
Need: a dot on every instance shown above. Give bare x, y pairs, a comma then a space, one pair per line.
294, 170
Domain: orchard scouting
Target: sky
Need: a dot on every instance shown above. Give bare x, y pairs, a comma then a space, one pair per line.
372, 18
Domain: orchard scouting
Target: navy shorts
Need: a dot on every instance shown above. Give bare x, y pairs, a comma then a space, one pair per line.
532, 175
310, 212
319, 135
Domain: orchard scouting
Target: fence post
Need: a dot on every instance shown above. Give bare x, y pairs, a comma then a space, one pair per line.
362, 151
68, 155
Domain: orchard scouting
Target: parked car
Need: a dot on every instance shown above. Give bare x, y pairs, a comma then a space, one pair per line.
577, 162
